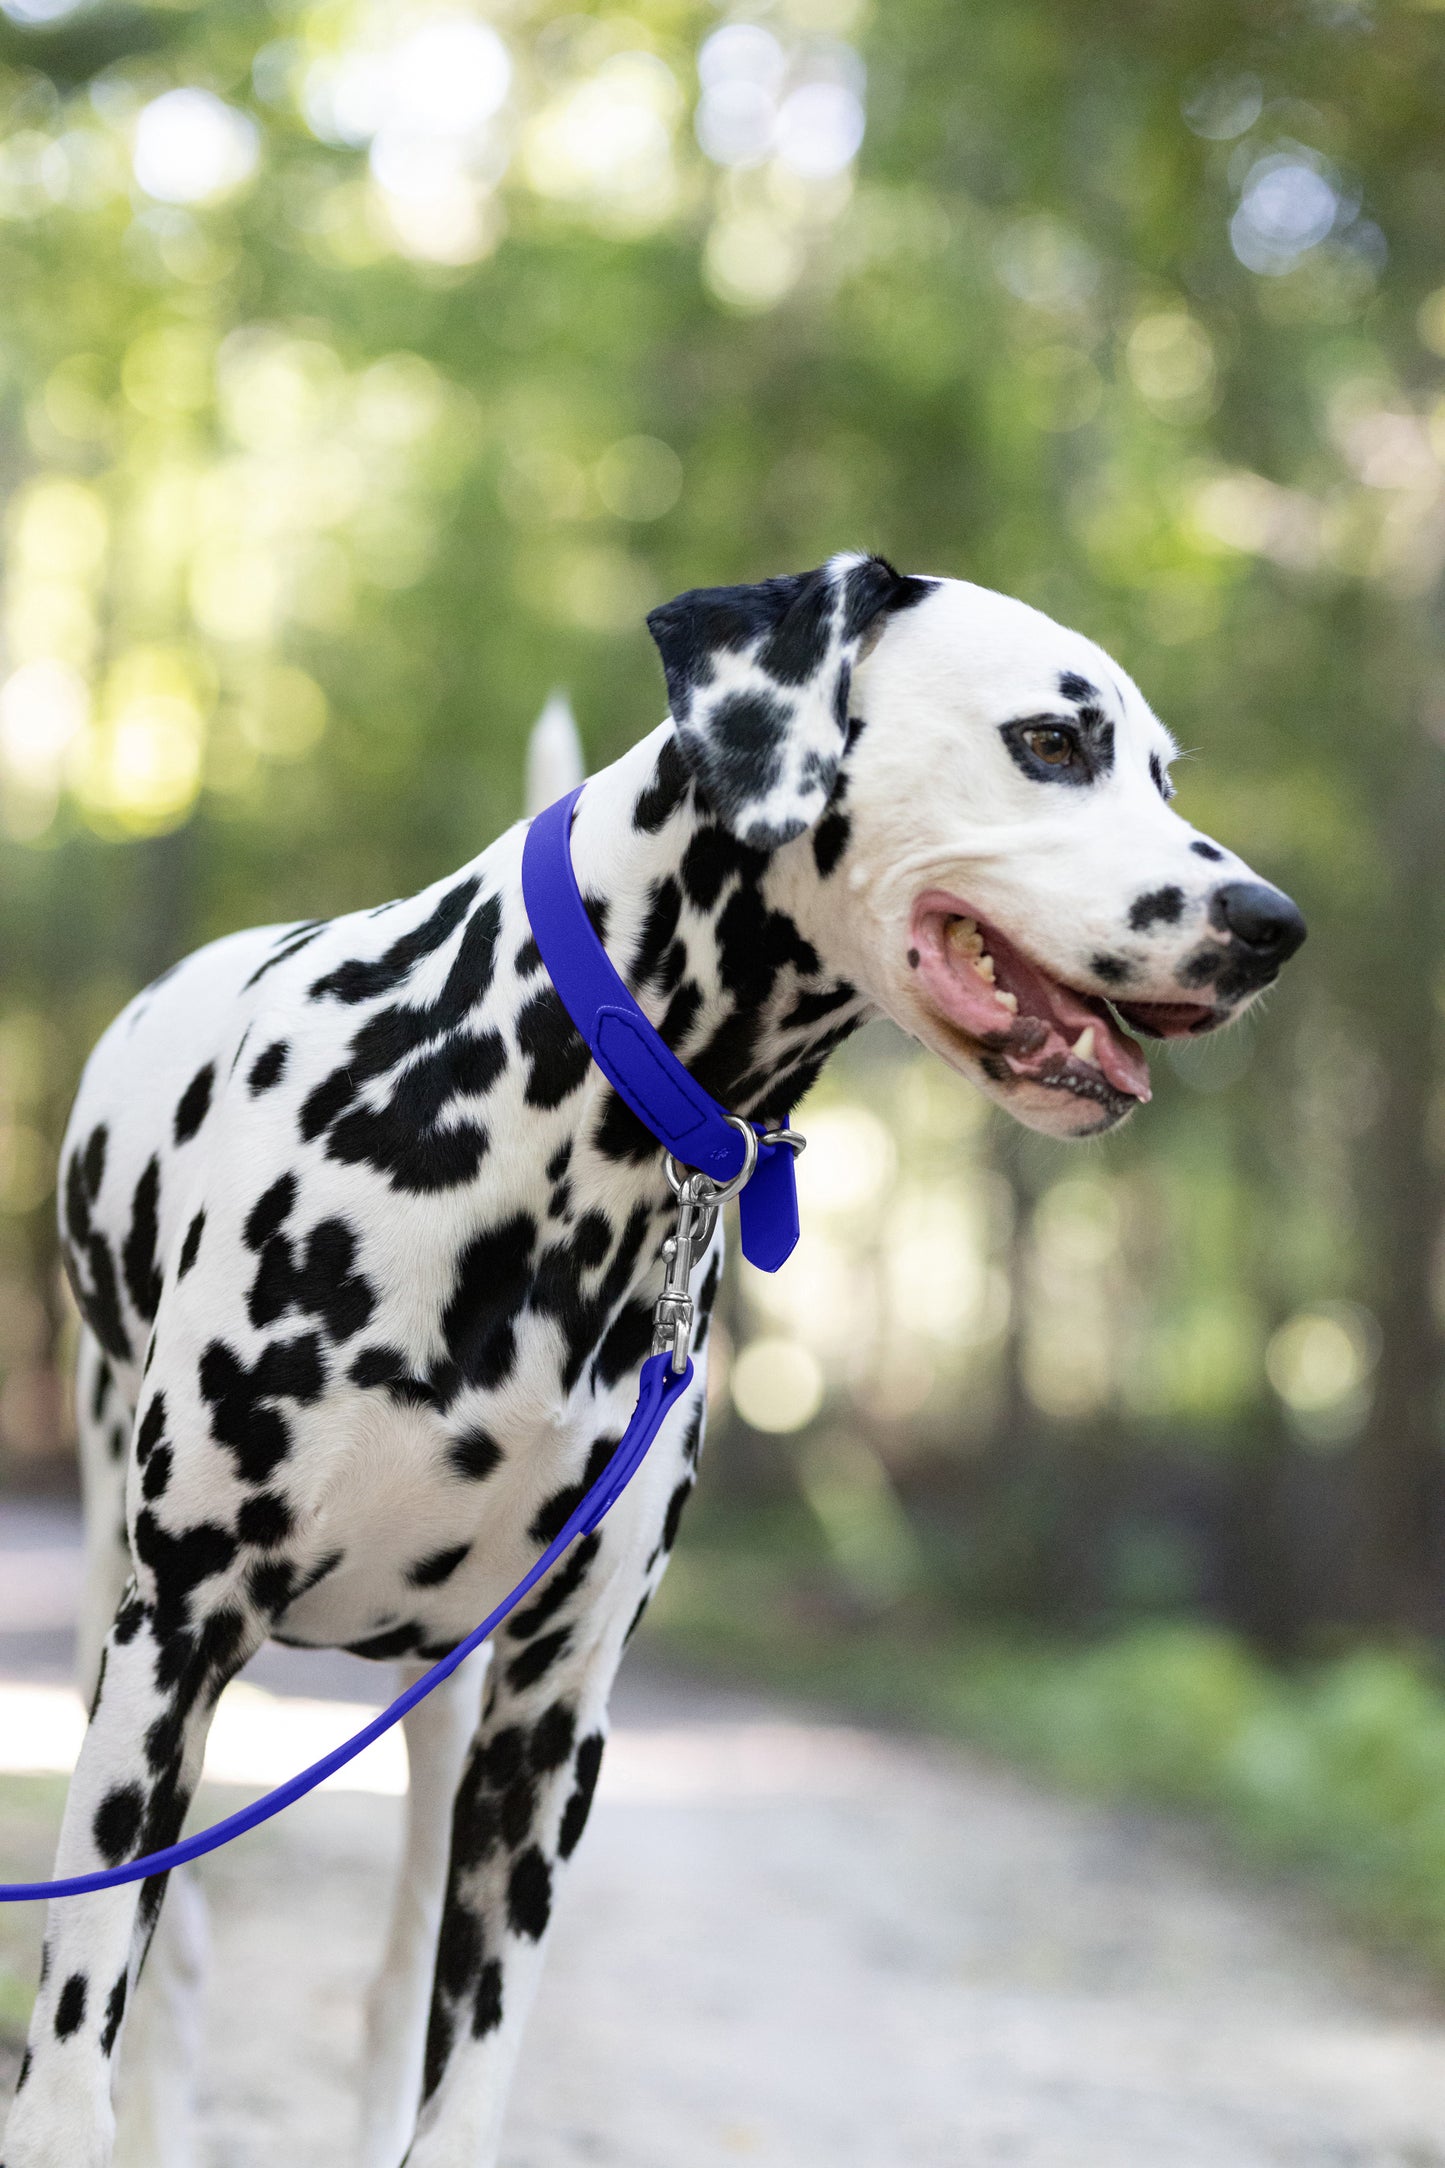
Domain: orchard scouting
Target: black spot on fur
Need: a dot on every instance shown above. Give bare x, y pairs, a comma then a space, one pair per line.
242, 1416
323, 1284
488, 1292
528, 959
459, 1950
142, 1275
561, 1583
811, 1008
579, 1806
830, 840
551, 1518
1210, 851
711, 858
675, 1506
439, 2035
552, 1737
158, 1474
405, 1139
190, 1248
1160, 907
271, 1586
264, 1520
271, 1210
291, 943
402, 1138
561, 1159
626, 1343
364, 981
535, 1661
487, 2008
388, 1367
70, 2009
384, 1648
114, 2012
268, 1068
117, 1822
659, 929
1113, 970
150, 1428
194, 1103
439, 1566
1076, 688
518, 1808
87, 1248
529, 1895
1159, 778
665, 793
556, 1053
474, 1455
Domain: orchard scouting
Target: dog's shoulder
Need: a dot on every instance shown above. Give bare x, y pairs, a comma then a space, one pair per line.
218, 1076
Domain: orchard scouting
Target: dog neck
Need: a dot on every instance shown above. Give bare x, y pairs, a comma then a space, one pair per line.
719, 943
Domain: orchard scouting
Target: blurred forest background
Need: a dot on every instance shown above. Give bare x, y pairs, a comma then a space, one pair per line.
370, 367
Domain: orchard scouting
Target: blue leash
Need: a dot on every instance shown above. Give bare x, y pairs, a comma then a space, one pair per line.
693, 1128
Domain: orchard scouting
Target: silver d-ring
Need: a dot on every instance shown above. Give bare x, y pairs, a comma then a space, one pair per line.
720, 1192
794, 1139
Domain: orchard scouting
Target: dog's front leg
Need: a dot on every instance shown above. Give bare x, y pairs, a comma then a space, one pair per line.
438, 1733
138, 1766
520, 1809
155, 2092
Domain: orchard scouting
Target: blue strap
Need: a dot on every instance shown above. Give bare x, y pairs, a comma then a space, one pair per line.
639, 1065
661, 1387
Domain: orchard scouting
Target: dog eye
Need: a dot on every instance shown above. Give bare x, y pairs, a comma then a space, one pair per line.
1055, 748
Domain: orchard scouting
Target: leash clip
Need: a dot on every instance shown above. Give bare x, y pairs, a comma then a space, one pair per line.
673, 1313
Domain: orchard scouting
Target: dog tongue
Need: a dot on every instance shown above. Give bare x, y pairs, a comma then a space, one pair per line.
1121, 1058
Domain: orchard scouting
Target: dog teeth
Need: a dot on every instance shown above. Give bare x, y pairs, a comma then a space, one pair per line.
965, 937
1006, 1001
1083, 1047
983, 965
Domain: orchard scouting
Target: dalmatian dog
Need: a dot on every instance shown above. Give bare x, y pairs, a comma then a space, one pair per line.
366, 1250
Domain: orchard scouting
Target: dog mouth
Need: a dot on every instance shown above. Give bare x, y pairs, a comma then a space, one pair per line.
1030, 1026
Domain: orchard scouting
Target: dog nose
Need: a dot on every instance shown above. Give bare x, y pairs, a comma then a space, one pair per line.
1260, 918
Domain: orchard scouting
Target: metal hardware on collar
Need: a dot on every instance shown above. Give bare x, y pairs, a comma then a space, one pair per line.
698, 1201
792, 1139
673, 1313
720, 1191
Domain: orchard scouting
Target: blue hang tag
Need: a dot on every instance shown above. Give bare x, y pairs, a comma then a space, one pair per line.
768, 1209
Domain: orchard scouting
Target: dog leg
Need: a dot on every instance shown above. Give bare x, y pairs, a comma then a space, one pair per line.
138, 1767
520, 1807
155, 2095
438, 1733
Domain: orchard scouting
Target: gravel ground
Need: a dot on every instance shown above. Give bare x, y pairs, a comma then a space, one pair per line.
788, 1944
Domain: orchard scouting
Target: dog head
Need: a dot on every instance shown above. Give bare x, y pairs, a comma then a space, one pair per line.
993, 857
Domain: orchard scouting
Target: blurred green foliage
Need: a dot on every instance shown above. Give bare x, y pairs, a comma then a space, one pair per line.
368, 367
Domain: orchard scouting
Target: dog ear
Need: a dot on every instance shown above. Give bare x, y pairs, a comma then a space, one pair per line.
758, 679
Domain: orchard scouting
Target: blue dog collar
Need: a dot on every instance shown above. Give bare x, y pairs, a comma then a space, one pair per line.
640, 1067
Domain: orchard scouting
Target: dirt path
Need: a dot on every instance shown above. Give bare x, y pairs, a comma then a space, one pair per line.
788, 1945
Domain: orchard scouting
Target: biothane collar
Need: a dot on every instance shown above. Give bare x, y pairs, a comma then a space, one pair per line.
685, 1119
